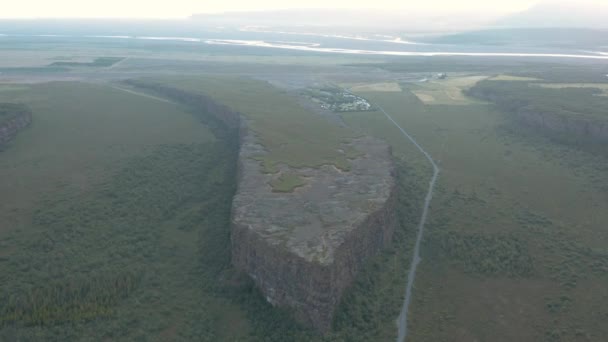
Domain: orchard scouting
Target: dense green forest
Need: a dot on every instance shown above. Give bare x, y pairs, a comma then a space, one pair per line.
570, 113
145, 255
515, 96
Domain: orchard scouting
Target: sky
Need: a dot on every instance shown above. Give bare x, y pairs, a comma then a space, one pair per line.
184, 8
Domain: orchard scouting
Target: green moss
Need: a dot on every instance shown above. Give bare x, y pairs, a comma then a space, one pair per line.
290, 134
98, 62
287, 182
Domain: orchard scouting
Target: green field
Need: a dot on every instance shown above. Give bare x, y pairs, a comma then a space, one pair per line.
99, 62
448, 91
515, 247
79, 132
289, 133
117, 228
115, 205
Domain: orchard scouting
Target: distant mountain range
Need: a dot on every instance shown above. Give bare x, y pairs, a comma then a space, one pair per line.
340, 19
555, 13
573, 14
535, 37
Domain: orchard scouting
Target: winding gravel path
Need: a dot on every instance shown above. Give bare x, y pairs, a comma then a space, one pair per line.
141, 94
402, 320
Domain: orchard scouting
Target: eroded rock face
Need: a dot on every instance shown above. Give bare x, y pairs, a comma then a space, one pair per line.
304, 248
10, 127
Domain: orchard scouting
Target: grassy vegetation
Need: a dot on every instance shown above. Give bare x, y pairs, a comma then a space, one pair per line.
505, 77
128, 259
290, 134
449, 91
565, 114
601, 86
373, 87
560, 101
99, 62
81, 132
287, 182
143, 253
515, 248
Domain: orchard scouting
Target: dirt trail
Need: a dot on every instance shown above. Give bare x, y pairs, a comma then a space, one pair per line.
141, 94
402, 320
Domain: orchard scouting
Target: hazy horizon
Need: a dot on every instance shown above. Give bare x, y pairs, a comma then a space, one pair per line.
30, 9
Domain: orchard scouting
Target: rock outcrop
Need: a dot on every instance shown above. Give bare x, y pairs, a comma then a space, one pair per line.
304, 248
13, 118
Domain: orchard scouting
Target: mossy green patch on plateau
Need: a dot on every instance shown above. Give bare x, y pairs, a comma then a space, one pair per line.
287, 182
290, 134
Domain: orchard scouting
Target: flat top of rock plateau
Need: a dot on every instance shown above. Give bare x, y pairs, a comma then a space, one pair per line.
314, 219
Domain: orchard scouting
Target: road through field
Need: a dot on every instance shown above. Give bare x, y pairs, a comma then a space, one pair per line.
402, 320
141, 94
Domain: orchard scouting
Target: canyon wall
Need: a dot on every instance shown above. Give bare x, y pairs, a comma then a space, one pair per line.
303, 248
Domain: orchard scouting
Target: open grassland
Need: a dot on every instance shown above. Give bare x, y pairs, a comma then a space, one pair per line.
448, 91
374, 87
560, 100
79, 132
142, 252
516, 248
287, 182
289, 133
99, 62
602, 86
504, 77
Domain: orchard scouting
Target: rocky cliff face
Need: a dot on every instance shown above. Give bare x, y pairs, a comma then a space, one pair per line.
13, 119
304, 248
557, 121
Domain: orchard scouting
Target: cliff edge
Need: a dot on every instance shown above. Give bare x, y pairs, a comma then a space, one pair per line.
301, 233
304, 248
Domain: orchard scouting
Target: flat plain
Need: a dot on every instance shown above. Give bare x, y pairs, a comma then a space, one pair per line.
114, 211
509, 254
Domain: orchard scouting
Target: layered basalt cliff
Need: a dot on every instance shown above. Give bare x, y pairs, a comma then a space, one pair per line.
13, 118
304, 248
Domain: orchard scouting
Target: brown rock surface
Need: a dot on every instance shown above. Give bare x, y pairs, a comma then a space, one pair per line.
304, 248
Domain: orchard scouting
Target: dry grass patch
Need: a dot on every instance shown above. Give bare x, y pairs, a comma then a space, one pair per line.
377, 87
513, 78
448, 91
602, 86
